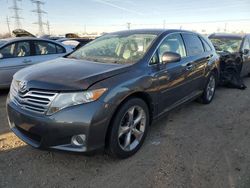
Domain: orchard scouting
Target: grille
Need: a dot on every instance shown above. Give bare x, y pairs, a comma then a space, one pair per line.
37, 101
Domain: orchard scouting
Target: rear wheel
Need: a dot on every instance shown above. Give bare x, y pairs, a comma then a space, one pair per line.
209, 90
129, 128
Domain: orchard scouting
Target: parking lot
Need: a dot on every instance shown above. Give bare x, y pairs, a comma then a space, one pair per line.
195, 146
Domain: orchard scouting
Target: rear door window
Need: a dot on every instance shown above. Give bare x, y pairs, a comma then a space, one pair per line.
44, 48
193, 44
207, 47
60, 49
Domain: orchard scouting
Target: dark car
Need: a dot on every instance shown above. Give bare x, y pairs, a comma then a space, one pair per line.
107, 93
75, 43
234, 51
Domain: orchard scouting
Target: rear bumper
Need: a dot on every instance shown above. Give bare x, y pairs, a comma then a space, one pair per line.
56, 131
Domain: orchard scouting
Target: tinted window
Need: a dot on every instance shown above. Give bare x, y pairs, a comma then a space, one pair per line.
44, 48
154, 59
19, 49
207, 47
8, 51
172, 43
193, 44
246, 44
60, 49
23, 49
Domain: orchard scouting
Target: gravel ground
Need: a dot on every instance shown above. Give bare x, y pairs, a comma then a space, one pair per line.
194, 146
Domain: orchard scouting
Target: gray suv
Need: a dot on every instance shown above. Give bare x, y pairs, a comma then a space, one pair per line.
107, 93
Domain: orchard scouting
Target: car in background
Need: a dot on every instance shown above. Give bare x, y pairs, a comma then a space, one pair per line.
106, 94
17, 53
74, 43
51, 37
22, 33
234, 51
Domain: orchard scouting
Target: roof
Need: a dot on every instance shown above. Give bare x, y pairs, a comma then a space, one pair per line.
15, 39
226, 35
148, 31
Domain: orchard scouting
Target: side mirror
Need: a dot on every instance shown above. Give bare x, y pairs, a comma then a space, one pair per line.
170, 57
1, 56
246, 51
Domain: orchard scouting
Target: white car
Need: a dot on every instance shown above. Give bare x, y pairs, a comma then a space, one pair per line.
17, 53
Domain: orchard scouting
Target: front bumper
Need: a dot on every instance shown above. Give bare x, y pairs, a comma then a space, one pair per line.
56, 131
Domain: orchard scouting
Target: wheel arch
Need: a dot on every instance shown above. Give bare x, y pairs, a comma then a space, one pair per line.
141, 95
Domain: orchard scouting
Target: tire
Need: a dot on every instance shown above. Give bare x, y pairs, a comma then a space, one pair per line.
209, 90
126, 124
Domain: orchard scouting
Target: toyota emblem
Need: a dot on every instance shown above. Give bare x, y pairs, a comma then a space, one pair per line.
22, 86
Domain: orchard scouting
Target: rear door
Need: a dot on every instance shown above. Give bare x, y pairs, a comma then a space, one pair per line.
246, 57
198, 59
16, 56
45, 50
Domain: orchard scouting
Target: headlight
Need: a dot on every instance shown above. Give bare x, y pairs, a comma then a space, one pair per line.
64, 100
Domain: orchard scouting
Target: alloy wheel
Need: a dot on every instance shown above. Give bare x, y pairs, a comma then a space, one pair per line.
132, 128
211, 87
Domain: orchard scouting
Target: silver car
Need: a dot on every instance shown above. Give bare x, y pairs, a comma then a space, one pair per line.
17, 53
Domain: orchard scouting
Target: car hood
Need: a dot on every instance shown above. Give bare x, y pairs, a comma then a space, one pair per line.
65, 74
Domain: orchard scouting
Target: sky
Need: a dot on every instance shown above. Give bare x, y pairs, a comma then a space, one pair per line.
78, 16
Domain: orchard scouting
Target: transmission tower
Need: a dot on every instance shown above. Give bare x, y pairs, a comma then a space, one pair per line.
128, 25
39, 13
16, 15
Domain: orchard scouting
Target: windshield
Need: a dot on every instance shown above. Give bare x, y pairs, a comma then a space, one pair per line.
121, 49
226, 44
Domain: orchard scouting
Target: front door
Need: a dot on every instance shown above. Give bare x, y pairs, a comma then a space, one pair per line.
172, 85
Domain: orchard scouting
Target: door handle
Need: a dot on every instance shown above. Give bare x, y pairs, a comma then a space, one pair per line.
26, 61
208, 57
189, 66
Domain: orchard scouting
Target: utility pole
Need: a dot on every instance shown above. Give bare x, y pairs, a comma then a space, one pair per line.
225, 29
85, 29
39, 13
48, 27
128, 25
16, 15
8, 24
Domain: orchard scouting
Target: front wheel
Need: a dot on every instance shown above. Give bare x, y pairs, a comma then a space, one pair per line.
129, 128
209, 90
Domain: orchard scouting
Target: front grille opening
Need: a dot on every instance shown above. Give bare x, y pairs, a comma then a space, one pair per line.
37, 101
37, 98
30, 135
45, 94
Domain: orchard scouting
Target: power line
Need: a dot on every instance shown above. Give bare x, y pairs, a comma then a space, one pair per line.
39, 12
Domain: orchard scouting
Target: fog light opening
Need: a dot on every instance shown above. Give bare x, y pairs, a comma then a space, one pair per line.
78, 140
